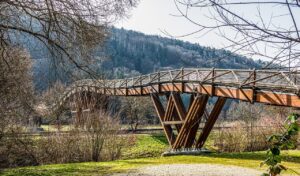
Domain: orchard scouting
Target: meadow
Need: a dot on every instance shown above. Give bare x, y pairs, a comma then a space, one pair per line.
146, 150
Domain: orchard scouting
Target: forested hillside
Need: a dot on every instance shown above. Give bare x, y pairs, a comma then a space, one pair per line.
129, 53
130, 50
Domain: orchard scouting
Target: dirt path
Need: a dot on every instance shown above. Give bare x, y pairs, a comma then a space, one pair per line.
192, 170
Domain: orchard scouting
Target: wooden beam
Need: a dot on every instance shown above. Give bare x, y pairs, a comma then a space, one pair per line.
169, 109
211, 121
274, 98
161, 113
173, 122
191, 118
171, 113
179, 105
78, 118
194, 127
233, 91
192, 98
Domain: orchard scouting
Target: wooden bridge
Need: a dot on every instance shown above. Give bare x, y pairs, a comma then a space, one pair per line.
256, 86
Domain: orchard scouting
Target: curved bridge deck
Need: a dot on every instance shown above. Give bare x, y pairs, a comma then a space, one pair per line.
270, 87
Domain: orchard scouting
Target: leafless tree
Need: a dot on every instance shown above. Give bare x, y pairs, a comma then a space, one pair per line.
265, 29
16, 94
135, 110
246, 112
16, 88
70, 29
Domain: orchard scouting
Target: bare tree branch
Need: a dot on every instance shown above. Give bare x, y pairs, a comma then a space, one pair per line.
273, 38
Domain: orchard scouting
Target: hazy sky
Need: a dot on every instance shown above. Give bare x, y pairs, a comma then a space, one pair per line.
155, 16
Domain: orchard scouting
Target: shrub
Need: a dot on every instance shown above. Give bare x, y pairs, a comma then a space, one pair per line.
101, 142
227, 139
284, 140
242, 136
16, 102
16, 150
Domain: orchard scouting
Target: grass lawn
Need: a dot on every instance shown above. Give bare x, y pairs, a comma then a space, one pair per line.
53, 128
147, 150
146, 146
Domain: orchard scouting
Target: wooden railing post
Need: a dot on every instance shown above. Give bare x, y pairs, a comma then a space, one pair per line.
254, 86
115, 88
141, 88
182, 82
213, 74
158, 81
254, 77
126, 87
104, 87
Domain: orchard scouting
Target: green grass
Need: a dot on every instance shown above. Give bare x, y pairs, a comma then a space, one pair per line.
146, 146
250, 160
53, 128
125, 127
153, 145
147, 149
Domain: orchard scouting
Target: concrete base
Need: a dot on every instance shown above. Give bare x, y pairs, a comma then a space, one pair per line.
189, 151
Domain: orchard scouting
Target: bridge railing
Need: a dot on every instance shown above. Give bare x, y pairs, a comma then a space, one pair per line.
271, 80
260, 79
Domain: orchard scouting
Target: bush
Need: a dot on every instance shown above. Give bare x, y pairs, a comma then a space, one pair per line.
62, 148
242, 136
226, 139
17, 151
101, 142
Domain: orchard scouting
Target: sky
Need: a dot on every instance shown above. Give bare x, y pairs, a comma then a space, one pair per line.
161, 17
156, 16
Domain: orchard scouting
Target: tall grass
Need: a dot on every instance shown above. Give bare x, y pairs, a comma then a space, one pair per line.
244, 136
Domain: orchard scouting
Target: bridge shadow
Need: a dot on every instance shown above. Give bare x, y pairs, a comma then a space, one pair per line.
160, 138
260, 155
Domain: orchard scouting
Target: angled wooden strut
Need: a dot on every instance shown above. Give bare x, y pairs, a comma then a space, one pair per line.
161, 115
212, 118
175, 112
186, 122
187, 134
194, 128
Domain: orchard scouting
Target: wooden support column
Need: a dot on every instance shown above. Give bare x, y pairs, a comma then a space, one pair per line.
186, 123
196, 108
161, 114
179, 112
171, 114
169, 109
194, 128
211, 121
179, 106
78, 118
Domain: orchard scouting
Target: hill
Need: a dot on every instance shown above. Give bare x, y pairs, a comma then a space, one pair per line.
130, 53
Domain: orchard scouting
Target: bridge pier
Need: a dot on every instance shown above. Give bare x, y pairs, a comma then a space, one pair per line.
86, 103
186, 121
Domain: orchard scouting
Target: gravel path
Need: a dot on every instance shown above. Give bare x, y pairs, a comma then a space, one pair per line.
192, 170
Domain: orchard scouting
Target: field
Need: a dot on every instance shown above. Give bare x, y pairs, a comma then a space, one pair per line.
146, 151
